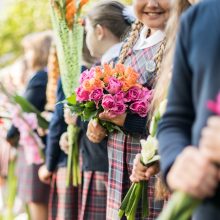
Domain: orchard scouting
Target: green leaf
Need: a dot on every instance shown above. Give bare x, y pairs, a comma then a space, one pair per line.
88, 114
71, 99
90, 105
26, 106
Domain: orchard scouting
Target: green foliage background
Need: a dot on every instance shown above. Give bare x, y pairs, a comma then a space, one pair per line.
22, 17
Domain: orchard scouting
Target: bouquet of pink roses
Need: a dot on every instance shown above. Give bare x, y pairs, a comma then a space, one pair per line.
112, 89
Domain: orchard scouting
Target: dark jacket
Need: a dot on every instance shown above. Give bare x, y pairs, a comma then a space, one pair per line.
95, 156
196, 79
55, 157
35, 93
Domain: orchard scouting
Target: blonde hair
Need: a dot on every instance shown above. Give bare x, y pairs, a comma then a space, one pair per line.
132, 38
40, 43
53, 77
164, 75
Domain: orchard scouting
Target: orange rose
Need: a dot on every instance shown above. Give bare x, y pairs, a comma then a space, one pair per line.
98, 73
87, 86
96, 83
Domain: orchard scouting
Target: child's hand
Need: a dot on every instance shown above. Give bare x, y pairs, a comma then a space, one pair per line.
141, 172
44, 174
64, 145
95, 132
193, 173
210, 140
118, 120
42, 132
69, 117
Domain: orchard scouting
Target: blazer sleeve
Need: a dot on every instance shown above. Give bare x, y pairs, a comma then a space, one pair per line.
56, 129
134, 124
174, 131
35, 93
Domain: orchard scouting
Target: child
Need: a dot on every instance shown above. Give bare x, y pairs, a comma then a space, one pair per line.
143, 49
195, 81
105, 26
139, 171
30, 189
63, 203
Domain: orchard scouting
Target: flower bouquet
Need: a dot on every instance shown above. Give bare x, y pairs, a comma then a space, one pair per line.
26, 118
66, 15
112, 89
181, 205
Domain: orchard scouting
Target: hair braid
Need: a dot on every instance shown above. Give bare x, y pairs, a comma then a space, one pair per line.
159, 56
133, 36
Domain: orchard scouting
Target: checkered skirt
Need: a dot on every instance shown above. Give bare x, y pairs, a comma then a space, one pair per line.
122, 149
63, 202
94, 196
30, 188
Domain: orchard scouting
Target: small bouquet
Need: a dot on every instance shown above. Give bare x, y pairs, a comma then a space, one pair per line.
112, 89
138, 191
67, 25
149, 155
27, 119
181, 205
27, 123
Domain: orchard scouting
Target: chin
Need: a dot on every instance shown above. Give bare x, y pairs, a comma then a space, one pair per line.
153, 25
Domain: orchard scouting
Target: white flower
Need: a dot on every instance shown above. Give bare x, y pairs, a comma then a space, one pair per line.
149, 148
162, 107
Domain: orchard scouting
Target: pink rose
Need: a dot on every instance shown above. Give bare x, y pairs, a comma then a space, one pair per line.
119, 97
140, 108
108, 102
119, 108
214, 106
114, 85
82, 95
31, 119
133, 94
87, 74
96, 95
146, 95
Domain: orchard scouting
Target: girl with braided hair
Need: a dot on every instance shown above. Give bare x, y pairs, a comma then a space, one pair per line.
139, 171
142, 51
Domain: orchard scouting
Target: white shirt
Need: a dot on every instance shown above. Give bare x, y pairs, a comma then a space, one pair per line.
144, 42
111, 53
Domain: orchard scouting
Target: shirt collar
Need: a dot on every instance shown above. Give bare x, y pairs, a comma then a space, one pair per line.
144, 42
111, 53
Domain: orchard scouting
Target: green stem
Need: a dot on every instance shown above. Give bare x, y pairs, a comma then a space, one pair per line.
131, 214
131, 198
144, 198
180, 206
125, 201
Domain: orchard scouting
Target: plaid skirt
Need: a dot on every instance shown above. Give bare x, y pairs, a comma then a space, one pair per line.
63, 202
122, 150
30, 188
93, 196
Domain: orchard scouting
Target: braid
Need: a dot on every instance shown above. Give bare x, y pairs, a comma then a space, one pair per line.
159, 56
133, 36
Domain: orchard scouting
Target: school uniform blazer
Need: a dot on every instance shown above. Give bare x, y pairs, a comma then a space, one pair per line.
35, 93
55, 157
196, 79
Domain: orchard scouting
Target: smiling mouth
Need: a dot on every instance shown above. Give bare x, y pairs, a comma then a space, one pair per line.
154, 13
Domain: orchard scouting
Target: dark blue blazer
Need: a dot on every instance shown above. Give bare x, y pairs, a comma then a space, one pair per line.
55, 157
35, 93
196, 79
